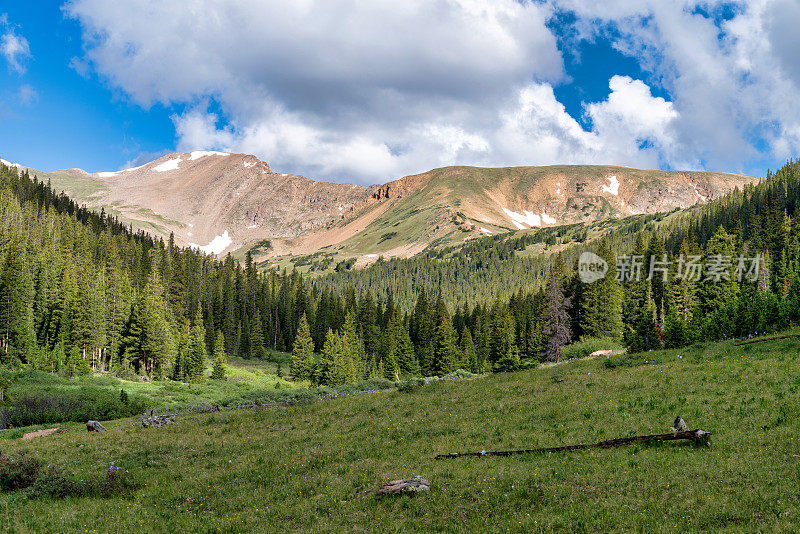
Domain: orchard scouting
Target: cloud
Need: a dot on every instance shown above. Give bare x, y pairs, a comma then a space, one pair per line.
367, 91
14, 47
730, 68
538, 130
27, 95
80, 66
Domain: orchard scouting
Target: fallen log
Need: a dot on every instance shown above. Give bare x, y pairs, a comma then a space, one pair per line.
406, 486
40, 433
698, 436
764, 339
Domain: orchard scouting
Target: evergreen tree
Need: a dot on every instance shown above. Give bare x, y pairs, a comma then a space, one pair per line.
17, 335
333, 368
601, 305
195, 365
302, 365
257, 338
353, 350
469, 355
218, 371
407, 363
444, 347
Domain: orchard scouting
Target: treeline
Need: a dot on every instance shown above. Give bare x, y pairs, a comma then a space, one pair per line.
481, 269
746, 247
80, 291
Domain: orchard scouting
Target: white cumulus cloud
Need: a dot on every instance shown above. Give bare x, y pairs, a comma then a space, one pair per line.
14, 47
368, 91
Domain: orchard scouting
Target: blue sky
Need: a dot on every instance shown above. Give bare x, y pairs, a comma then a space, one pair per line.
73, 120
346, 91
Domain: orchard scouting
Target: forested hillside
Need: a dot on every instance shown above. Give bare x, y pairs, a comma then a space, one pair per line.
81, 292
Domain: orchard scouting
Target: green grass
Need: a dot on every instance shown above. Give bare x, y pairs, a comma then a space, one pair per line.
243, 377
80, 188
302, 467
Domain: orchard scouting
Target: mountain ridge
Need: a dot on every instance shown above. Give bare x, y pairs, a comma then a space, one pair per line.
222, 202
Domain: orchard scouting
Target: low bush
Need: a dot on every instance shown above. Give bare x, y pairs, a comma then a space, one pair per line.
28, 474
18, 472
62, 405
269, 396
373, 384
411, 384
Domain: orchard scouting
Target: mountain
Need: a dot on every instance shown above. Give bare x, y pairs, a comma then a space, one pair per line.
214, 200
222, 202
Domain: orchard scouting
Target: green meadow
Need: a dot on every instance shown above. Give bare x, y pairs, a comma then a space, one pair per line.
304, 466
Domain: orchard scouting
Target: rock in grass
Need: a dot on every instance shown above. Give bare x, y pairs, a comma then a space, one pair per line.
410, 486
158, 420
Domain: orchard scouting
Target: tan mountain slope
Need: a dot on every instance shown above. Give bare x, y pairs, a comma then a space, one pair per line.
457, 203
234, 202
218, 201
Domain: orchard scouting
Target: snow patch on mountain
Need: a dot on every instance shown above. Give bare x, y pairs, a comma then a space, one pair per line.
197, 154
216, 246
528, 217
612, 187
548, 219
169, 165
10, 164
248, 164
696, 192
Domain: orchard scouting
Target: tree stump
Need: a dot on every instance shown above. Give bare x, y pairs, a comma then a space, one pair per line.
94, 426
407, 486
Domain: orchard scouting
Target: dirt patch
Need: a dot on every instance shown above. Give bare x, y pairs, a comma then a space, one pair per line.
40, 433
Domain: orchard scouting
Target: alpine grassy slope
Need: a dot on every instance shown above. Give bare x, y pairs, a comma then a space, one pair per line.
302, 467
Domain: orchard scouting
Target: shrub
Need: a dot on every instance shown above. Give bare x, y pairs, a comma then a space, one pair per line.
24, 472
373, 384
18, 472
52, 482
414, 383
268, 396
410, 385
59, 406
588, 345
459, 373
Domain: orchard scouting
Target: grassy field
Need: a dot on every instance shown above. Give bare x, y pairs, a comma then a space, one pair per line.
100, 393
302, 467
